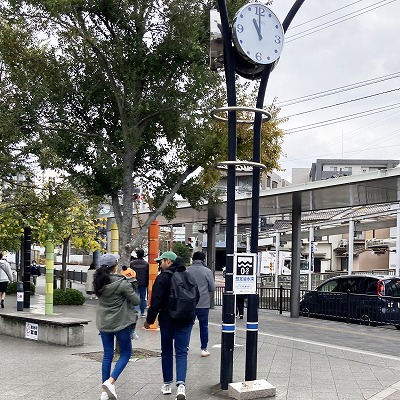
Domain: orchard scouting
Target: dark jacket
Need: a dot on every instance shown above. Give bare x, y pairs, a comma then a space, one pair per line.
141, 267
159, 299
35, 269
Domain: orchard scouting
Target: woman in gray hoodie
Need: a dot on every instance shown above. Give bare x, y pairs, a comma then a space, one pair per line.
5, 277
114, 319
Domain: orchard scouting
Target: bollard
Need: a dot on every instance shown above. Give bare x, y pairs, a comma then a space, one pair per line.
20, 296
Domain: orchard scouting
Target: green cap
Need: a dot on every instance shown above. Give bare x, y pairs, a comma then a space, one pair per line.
170, 255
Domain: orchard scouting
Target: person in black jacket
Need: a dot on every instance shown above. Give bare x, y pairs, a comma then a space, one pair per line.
141, 267
173, 331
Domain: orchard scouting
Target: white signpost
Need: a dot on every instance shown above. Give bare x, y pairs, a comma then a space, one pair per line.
244, 273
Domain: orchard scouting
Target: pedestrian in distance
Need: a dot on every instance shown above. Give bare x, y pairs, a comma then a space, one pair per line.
35, 272
89, 281
141, 267
240, 305
114, 319
204, 279
5, 277
130, 274
174, 332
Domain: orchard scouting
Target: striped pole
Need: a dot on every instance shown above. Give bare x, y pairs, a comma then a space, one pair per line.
48, 310
154, 231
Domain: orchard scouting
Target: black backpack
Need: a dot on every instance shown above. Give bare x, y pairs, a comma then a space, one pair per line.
183, 296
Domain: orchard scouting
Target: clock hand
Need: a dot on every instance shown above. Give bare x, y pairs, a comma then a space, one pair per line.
257, 29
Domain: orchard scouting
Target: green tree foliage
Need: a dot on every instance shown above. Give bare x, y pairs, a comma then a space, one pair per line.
120, 96
73, 217
182, 250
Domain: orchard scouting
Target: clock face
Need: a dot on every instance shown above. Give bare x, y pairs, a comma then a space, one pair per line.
258, 33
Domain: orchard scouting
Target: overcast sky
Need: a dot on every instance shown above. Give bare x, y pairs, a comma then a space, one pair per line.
361, 44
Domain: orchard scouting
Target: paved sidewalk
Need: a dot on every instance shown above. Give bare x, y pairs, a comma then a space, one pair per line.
305, 359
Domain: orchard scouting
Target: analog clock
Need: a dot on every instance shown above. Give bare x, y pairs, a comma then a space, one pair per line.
257, 33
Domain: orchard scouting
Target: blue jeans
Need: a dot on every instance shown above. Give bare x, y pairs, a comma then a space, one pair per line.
180, 338
202, 316
125, 347
142, 292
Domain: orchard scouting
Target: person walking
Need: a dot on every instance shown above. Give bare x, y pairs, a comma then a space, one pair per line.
130, 274
204, 279
5, 277
89, 281
173, 331
141, 267
114, 319
35, 272
240, 298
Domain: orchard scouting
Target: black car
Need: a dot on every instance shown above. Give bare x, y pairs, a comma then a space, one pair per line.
368, 299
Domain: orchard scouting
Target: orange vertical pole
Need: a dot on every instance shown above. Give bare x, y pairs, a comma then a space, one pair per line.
154, 232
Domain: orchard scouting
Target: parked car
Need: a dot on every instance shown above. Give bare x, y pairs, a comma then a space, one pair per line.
367, 299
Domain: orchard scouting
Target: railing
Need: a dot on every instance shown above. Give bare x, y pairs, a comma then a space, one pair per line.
350, 307
269, 298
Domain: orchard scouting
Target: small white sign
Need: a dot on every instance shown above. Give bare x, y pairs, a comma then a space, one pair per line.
20, 296
31, 331
244, 273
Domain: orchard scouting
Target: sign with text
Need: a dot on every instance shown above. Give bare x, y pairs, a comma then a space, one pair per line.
244, 273
31, 331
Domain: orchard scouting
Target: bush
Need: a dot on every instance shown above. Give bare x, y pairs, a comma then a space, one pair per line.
12, 288
68, 297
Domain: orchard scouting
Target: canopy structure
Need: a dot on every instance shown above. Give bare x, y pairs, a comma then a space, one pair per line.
379, 187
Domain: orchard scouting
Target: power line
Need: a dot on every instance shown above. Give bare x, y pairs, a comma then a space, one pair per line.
324, 15
343, 118
338, 20
340, 89
343, 102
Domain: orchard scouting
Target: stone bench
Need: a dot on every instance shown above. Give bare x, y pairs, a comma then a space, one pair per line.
53, 329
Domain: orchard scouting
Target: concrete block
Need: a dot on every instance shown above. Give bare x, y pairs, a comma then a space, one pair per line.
257, 389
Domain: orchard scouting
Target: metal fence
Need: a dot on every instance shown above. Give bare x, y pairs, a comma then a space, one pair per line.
268, 298
350, 307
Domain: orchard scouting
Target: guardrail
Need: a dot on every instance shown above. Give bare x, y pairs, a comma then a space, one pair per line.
350, 307
269, 298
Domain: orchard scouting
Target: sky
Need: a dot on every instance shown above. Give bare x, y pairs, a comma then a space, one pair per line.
339, 44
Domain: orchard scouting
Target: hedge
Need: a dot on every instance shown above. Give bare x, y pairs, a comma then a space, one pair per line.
68, 297
12, 288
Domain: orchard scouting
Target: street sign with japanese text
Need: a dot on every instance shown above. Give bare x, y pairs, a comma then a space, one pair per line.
244, 273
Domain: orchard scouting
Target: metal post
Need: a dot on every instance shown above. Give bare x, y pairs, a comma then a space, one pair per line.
398, 243
20, 296
251, 337
351, 246
276, 266
228, 309
296, 248
310, 256
27, 266
211, 249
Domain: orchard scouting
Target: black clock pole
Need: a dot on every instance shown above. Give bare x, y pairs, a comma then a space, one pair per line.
252, 306
228, 305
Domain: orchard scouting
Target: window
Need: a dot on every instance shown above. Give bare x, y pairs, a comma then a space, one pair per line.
330, 286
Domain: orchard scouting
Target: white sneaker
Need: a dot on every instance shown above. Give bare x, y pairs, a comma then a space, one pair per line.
181, 393
134, 335
109, 388
205, 353
104, 396
166, 388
